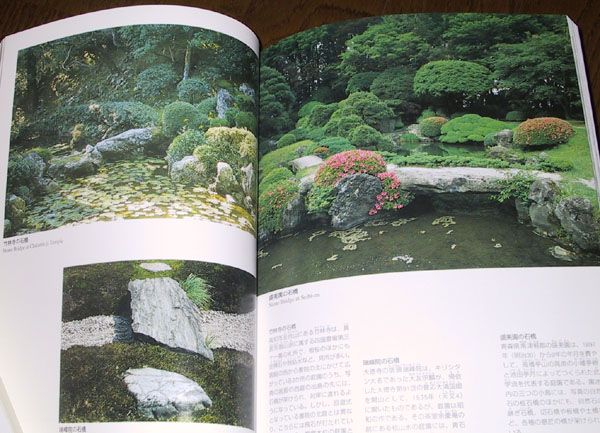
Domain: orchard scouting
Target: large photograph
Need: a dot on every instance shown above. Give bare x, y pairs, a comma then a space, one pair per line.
158, 340
144, 121
427, 141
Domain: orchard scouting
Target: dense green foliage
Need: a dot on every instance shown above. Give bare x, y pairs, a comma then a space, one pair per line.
184, 145
514, 187
272, 202
543, 131
368, 107
361, 82
320, 198
336, 144
515, 116
192, 90
179, 116
364, 136
432, 126
156, 82
275, 176
470, 128
276, 101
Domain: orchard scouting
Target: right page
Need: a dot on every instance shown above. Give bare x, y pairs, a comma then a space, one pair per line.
429, 228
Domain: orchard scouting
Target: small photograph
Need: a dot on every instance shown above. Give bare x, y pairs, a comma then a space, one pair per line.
144, 121
158, 341
423, 142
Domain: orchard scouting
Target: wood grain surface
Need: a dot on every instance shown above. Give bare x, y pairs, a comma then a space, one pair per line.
272, 20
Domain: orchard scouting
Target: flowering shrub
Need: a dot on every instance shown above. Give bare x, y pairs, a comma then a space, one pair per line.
272, 203
340, 165
321, 151
543, 131
391, 197
432, 126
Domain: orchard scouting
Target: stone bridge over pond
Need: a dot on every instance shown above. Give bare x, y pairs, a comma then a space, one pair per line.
423, 180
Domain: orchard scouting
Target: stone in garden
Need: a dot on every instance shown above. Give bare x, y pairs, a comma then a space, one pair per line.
503, 138
155, 267
16, 211
543, 191
125, 145
294, 214
96, 331
561, 254
189, 170
224, 101
543, 219
36, 164
164, 394
306, 184
305, 162
355, 197
227, 184
522, 207
576, 216
73, 166
386, 125
247, 90
162, 312
248, 180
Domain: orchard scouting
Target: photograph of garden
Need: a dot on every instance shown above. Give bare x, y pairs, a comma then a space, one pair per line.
157, 341
423, 142
144, 121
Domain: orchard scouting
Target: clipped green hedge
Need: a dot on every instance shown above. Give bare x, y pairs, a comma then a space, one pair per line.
470, 128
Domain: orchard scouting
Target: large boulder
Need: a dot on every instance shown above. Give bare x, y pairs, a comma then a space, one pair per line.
307, 161
125, 145
162, 312
15, 212
576, 216
36, 164
503, 138
543, 218
190, 171
163, 395
227, 184
72, 166
543, 191
224, 101
355, 197
294, 214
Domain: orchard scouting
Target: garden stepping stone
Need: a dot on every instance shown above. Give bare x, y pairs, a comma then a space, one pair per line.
163, 394
155, 267
162, 312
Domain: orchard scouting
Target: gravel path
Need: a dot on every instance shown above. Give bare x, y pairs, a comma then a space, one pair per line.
95, 331
232, 331
221, 330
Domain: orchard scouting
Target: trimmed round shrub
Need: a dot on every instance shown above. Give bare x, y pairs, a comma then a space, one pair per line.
341, 123
321, 114
156, 81
543, 131
489, 139
192, 90
275, 176
272, 203
372, 110
307, 108
179, 116
246, 119
337, 144
340, 165
432, 126
286, 140
208, 107
515, 116
470, 128
184, 145
235, 146
364, 136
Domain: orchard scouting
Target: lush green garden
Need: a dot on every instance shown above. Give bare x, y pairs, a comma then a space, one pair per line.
157, 113
441, 92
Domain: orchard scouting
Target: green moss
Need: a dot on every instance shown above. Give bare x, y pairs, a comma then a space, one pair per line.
92, 387
281, 157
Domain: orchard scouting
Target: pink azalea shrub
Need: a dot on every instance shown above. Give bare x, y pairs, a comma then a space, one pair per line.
343, 164
391, 197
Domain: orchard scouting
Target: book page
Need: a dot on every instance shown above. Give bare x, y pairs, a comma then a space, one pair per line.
128, 261
429, 232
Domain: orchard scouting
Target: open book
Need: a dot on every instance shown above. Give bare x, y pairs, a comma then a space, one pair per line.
421, 254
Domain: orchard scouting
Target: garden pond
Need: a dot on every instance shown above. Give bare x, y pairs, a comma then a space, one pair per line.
416, 238
129, 190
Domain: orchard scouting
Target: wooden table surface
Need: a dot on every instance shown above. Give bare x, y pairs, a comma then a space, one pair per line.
275, 19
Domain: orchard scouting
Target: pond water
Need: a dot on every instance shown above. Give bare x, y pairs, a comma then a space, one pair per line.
437, 148
415, 239
130, 190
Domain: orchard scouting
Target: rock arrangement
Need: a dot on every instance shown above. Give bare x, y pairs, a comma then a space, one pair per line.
162, 312
162, 395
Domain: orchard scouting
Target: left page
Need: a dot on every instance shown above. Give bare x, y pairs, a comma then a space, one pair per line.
127, 156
